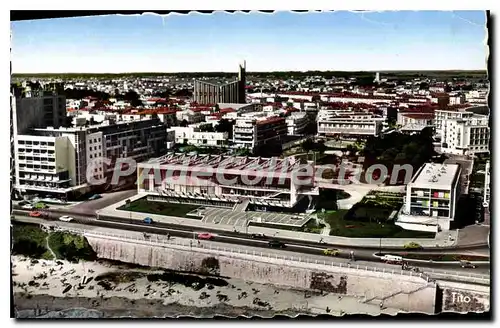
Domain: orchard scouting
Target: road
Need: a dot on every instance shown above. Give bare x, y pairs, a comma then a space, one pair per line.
105, 221
363, 257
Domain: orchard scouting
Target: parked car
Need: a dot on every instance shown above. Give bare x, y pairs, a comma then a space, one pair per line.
66, 218
205, 236
148, 220
276, 244
258, 236
412, 245
94, 197
35, 214
41, 206
467, 264
331, 252
27, 207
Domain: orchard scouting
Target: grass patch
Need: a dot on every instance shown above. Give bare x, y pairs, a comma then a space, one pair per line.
160, 208
361, 229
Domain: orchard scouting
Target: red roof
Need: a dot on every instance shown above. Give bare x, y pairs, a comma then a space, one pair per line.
227, 110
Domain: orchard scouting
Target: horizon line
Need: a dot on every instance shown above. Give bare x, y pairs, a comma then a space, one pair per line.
261, 72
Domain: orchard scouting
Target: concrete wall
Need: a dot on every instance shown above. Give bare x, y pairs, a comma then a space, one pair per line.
396, 291
459, 297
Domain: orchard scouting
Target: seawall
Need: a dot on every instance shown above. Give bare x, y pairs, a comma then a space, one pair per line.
408, 293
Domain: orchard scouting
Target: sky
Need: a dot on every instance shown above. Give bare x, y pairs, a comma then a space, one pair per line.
342, 40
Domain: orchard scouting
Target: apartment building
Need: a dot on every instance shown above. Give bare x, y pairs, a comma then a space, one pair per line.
252, 132
466, 136
38, 105
431, 198
296, 123
274, 182
59, 162
348, 124
440, 116
192, 135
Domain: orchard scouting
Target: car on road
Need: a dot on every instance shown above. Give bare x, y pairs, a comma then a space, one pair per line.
28, 207
36, 214
276, 244
258, 236
41, 206
467, 265
412, 245
66, 218
205, 236
148, 220
331, 252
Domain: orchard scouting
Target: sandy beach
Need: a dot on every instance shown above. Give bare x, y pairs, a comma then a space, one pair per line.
59, 289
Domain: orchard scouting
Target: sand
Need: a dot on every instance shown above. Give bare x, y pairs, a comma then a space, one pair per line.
63, 289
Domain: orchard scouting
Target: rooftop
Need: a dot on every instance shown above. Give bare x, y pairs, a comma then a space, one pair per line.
438, 176
228, 162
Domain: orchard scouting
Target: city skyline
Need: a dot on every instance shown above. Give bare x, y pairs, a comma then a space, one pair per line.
283, 41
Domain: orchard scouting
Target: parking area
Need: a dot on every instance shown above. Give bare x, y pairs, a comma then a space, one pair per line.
232, 218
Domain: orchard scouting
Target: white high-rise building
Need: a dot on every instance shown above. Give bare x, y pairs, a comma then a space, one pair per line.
466, 136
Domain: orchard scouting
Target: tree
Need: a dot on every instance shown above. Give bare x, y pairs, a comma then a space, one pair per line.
308, 145
351, 149
225, 125
207, 128
184, 123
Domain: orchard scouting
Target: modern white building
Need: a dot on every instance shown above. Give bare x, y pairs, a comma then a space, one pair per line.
58, 162
227, 179
350, 124
192, 135
252, 132
431, 198
466, 136
297, 122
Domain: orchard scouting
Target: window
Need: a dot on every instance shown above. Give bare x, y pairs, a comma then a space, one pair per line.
99, 146
90, 156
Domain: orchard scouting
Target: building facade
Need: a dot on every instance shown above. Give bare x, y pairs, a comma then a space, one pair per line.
193, 136
228, 179
252, 132
213, 92
466, 136
348, 125
38, 105
297, 123
60, 162
431, 198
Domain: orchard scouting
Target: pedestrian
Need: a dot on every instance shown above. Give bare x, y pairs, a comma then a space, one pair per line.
168, 236
327, 309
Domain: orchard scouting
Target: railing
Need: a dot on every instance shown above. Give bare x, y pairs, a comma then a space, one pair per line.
155, 240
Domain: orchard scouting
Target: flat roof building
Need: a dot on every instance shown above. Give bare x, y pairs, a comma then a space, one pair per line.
431, 198
229, 179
